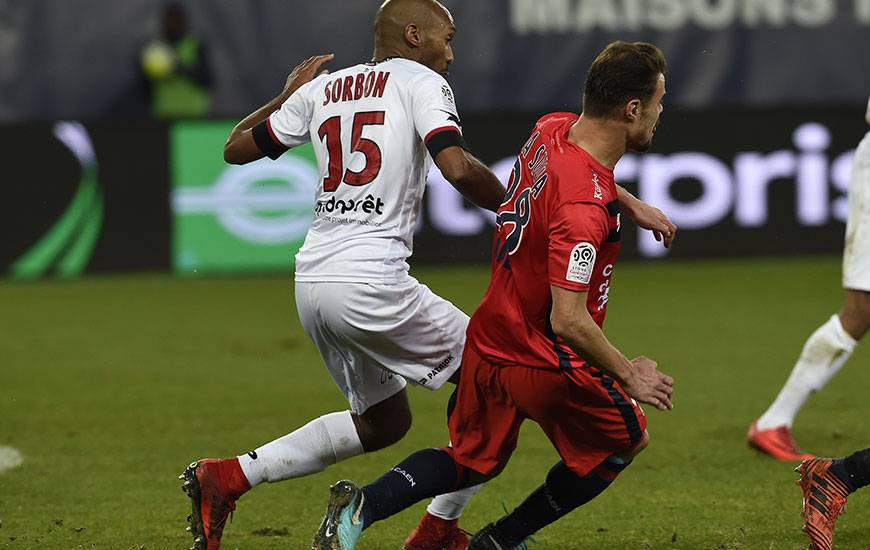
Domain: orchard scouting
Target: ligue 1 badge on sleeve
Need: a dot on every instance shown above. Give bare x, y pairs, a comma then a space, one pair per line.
581, 263
448, 96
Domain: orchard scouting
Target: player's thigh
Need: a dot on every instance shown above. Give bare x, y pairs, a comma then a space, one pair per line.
485, 423
587, 417
363, 381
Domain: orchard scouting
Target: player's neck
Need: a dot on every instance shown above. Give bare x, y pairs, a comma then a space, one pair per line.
383, 54
601, 138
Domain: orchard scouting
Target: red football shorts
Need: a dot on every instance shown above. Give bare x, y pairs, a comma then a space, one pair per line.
585, 414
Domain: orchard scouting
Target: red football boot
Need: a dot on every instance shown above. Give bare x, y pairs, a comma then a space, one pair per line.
213, 487
434, 533
776, 443
824, 500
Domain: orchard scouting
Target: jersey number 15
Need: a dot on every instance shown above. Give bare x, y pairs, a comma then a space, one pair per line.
330, 132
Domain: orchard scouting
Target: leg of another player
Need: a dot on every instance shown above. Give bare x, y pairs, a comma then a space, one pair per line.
823, 355
329, 439
439, 526
351, 509
424, 474
562, 492
215, 485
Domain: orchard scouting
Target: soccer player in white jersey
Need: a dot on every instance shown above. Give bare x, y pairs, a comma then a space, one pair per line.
376, 129
830, 346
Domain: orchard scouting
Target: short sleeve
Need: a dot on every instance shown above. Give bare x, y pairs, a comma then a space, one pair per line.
435, 116
577, 232
288, 126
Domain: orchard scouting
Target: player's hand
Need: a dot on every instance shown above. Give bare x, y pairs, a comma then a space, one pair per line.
305, 72
650, 217
648, 385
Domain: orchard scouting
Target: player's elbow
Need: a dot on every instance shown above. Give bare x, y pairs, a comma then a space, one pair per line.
231, 154
241, 148
563, 325
569, 327
459, 172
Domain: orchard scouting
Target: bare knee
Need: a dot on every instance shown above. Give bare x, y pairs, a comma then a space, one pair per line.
641, 445
384, 423
629, 455
855, 314
473, 477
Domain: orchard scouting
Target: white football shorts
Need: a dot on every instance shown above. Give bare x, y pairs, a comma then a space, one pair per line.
374, 337
856, 252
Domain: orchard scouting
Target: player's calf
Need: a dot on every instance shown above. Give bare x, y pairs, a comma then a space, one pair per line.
385, 423
562, 492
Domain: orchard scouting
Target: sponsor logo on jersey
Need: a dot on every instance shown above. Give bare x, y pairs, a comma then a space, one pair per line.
368, 205
597, 193
581, 263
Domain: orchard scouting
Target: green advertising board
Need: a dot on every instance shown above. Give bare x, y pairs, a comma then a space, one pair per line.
236, 218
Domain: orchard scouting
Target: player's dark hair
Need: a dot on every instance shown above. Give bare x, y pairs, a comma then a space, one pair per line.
622, 72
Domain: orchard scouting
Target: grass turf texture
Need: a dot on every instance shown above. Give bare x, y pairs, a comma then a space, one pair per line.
110, 386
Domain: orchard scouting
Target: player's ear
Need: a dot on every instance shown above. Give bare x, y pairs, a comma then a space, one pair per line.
632, 110
413, 35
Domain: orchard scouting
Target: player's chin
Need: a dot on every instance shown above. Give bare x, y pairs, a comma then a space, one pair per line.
642, 147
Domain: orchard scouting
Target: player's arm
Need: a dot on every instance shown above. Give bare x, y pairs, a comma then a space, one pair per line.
242, 145
647, 216
639, 378
468, 175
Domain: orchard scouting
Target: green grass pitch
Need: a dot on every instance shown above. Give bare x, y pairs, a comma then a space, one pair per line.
110, 386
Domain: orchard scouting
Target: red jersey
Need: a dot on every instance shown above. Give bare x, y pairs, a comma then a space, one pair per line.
559, 225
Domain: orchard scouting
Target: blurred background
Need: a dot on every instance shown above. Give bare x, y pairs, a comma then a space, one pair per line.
113, 116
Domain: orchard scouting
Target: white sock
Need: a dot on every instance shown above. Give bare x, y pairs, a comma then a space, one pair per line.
825, 352
310, 449
451, 505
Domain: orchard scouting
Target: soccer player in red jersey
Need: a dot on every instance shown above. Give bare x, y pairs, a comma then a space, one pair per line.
535, 348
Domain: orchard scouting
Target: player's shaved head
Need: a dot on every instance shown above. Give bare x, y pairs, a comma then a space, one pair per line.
404, 27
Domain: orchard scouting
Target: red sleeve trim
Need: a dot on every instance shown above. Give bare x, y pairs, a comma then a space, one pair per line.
272, 132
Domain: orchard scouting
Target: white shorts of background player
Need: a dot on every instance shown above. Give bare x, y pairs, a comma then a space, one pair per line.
856, 252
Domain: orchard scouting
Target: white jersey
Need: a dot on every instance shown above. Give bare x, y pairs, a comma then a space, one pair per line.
370, 125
